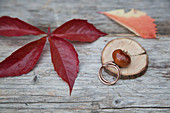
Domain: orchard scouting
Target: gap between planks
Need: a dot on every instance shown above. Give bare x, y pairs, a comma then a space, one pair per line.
128, 35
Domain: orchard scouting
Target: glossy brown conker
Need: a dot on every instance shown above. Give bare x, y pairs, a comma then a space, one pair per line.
121, 58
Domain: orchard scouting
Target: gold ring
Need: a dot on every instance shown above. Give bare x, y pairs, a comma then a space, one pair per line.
109, 64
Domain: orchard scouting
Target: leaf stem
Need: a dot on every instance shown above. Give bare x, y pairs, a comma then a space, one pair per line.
49, 32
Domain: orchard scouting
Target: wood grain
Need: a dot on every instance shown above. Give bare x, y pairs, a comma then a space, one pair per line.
48, 93
44, 13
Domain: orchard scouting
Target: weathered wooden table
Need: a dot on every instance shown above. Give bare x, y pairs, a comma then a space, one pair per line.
148, 93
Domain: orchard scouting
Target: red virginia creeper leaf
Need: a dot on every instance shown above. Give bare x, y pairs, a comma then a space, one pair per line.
136, 21
65, 60
15, 27
78, 30
23, 60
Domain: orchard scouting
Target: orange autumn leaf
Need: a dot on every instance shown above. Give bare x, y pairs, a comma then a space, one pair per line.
136, 21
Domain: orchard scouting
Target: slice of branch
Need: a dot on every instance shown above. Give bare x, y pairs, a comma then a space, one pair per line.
136, 21
139, 58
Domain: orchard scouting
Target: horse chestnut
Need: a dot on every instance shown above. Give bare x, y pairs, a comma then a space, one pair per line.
121, 58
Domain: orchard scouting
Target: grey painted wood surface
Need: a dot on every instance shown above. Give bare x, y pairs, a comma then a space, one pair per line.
148, 93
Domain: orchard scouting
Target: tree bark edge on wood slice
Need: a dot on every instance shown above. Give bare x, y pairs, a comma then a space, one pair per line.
138, 55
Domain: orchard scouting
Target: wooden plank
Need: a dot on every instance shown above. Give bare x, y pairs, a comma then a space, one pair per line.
148, 93
85, 111
54, 13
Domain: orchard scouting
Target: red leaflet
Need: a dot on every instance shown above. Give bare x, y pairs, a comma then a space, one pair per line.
78, 30
65, 60
23, 60
16, 27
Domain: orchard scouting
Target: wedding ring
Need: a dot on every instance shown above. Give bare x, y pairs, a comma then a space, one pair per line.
109, 64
